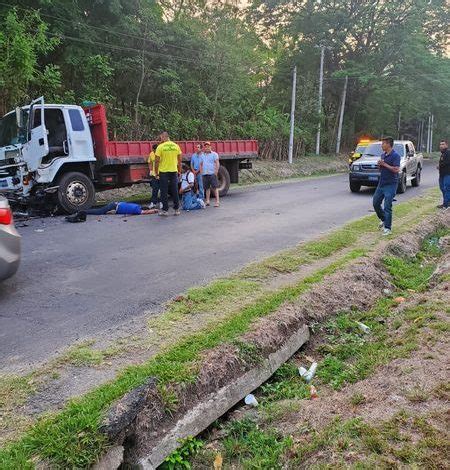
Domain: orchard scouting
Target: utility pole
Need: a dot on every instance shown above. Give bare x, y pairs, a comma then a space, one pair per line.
431, 133
341, 116
322, 55
291, 134
428, 132
399, 122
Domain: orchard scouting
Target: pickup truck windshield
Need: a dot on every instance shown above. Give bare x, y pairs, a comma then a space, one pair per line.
9, 134
375, 150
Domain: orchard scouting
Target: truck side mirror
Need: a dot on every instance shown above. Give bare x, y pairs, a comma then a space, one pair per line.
19, 118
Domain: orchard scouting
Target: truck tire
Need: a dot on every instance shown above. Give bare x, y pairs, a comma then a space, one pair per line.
224, 181
402, 183
416, 181
355, 187
76, 192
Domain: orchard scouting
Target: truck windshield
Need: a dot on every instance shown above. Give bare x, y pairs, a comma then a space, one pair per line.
9, 134
374, 150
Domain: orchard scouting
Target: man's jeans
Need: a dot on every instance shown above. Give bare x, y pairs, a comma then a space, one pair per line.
387, 193
154, 184
201, 192
112, 206
191, 202
168, 180
444, 185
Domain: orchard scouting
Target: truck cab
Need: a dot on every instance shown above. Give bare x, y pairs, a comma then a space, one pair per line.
47, 149
365, 171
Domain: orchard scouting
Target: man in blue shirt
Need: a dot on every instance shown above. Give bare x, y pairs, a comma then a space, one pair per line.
210, 171
389, 165
120, 208
197, 168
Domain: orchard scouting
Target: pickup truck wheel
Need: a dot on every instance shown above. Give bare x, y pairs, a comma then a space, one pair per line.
355, 187
402, 183
224, 181
76, 192
416, 181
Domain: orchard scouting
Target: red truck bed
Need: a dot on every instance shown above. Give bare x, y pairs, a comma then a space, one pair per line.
129, 152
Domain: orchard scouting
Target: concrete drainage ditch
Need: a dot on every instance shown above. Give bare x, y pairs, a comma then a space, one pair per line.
143, 432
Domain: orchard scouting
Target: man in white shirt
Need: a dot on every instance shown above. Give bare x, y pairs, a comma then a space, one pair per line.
190, 201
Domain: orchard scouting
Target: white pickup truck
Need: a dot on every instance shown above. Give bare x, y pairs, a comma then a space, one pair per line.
365, 171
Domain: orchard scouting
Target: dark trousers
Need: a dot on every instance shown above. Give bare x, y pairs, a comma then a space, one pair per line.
386, 193
102, 210
154, 183
169, 180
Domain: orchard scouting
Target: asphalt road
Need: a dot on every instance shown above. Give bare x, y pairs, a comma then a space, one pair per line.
79, 281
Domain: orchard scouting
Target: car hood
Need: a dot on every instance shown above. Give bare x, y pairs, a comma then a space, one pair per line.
368, 160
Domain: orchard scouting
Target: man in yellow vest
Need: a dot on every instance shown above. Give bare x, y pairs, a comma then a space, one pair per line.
168, 170
154, 182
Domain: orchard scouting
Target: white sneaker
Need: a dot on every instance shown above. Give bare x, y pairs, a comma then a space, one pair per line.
387, 231
381, 225
161, 205
202, 203
151, 206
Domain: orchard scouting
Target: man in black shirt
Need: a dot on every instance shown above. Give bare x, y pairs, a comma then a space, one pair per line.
444, 173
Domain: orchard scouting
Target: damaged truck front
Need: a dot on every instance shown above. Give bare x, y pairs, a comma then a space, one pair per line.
47, 156
59, 155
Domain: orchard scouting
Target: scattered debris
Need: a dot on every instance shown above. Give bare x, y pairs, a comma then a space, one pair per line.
399, 300
39, 230
387, 292
308, 375
364, 328
251, 400
218, 461
313, 392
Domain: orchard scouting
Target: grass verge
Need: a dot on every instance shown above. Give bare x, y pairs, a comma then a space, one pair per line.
347, 355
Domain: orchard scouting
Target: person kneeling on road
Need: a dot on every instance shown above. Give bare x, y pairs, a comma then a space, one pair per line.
190, 201
120, 208
210, 171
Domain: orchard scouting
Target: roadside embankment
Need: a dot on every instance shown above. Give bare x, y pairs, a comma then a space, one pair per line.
151, 430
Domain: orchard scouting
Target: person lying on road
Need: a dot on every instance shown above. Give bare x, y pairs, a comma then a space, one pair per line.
121, 208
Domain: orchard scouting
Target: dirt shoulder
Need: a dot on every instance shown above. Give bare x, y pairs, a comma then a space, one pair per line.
382, 396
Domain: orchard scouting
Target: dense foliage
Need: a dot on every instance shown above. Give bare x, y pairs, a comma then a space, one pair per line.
205, 69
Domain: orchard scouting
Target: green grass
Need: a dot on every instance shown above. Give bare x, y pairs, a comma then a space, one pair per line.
398, 442
250, 447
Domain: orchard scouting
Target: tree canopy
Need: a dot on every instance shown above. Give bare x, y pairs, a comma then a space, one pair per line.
216, 70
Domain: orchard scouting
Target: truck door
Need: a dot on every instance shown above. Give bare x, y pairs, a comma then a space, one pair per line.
37, 146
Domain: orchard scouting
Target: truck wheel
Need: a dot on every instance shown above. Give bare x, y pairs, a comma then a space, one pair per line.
402, 183
416, 181
224, 181
355, 187
76, 192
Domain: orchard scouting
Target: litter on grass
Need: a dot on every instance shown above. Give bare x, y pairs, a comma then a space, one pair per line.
251, 400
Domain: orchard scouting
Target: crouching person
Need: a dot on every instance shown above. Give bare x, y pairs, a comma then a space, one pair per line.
190, 201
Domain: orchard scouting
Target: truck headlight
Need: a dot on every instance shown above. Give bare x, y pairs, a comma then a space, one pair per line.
355, 167
11, 154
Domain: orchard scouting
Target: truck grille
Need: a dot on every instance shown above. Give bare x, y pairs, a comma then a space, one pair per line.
6, 168
369, 167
